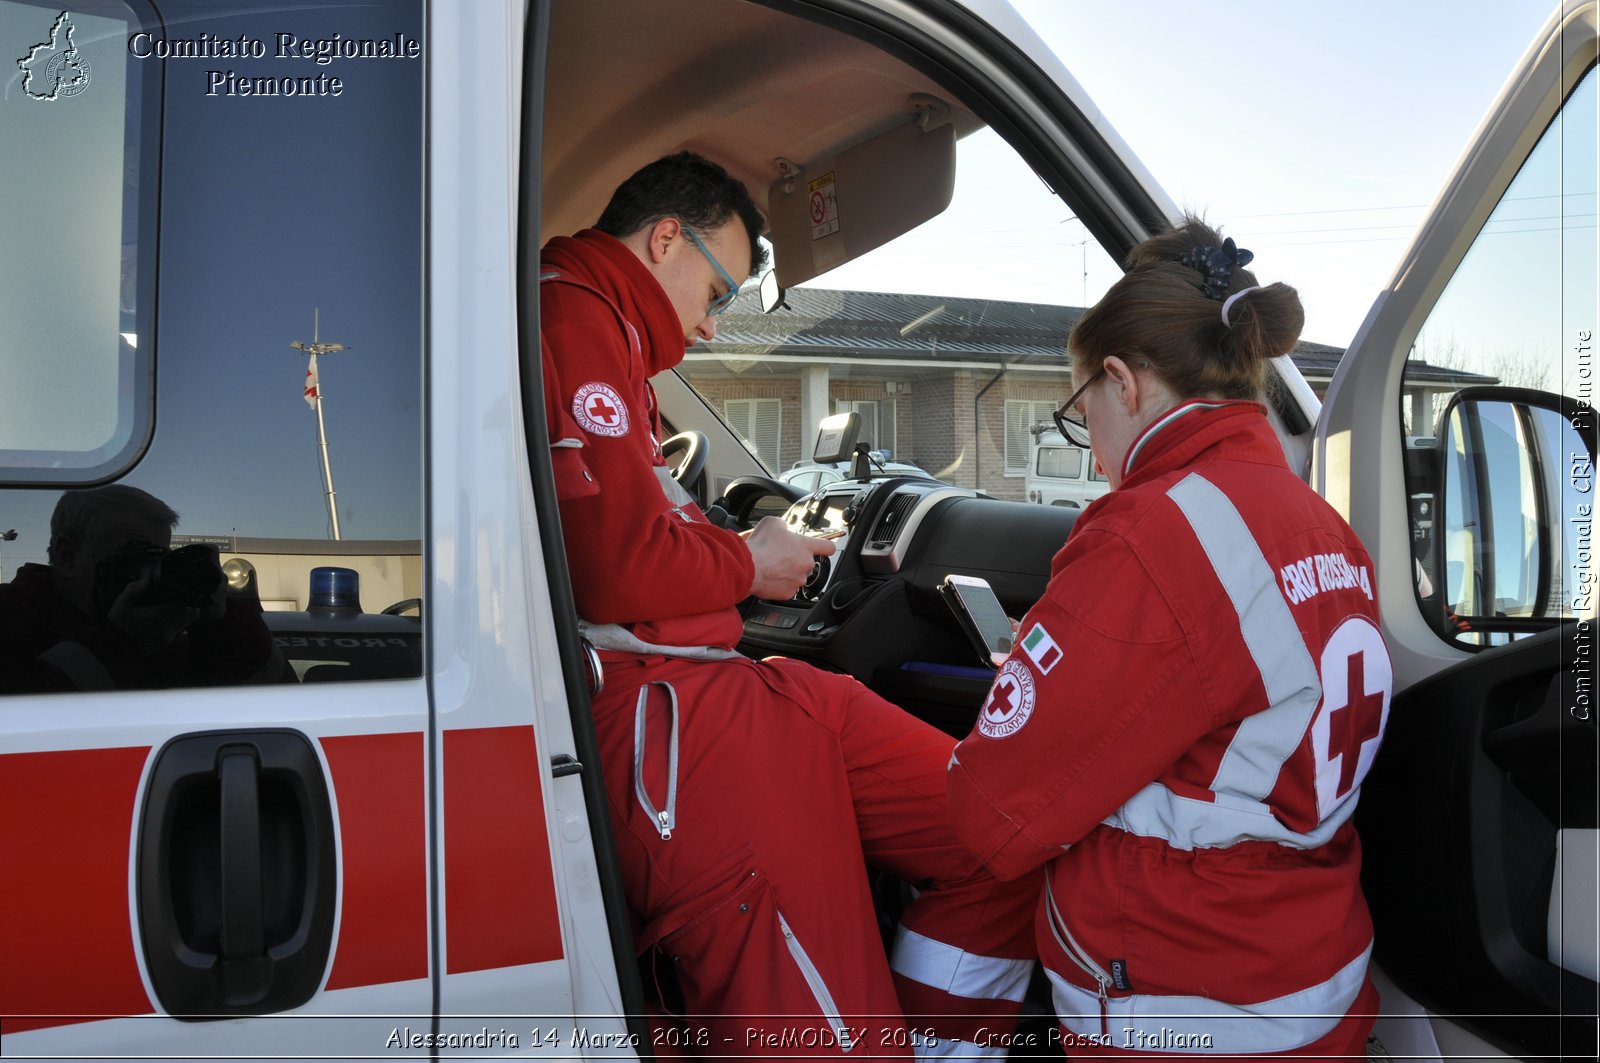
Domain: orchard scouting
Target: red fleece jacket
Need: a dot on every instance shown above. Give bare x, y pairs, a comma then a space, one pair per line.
635, 557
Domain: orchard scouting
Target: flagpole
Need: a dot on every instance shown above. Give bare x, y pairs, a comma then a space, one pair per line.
318, 347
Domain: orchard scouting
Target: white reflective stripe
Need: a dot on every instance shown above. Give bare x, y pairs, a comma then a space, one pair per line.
616, 637
958, 972
1267, 739
1188, 823
1202, 1026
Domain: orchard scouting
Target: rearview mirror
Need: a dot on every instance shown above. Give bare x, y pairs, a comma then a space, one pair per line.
1512, 550
771, 292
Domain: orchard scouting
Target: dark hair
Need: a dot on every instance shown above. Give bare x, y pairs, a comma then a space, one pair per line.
692, 189
77, 512
1159, 312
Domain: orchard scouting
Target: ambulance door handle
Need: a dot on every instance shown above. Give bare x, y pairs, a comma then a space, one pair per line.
237, 873
243, 967
564, 764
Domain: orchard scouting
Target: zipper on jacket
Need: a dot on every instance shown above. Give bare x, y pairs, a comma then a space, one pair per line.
1077, 954
665, 818
819, 988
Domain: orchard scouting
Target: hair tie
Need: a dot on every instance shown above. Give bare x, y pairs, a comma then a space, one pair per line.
1228, 303
1216, 264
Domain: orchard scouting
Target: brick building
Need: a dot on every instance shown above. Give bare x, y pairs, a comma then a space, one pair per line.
953, 385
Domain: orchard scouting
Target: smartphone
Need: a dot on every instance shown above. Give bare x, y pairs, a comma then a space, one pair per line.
982, 616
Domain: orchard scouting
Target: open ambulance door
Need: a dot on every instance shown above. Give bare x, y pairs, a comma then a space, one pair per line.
1469, 387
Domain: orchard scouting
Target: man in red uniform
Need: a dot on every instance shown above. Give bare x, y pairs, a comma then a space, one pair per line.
747, 795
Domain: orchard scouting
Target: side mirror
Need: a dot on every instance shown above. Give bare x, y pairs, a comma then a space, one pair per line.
1511, 551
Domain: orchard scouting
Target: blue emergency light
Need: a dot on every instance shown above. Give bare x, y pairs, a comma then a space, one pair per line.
335, 588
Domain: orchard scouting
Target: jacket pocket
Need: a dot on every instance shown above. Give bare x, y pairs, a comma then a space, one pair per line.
745, 973
665, 815
818, 987
1077, 953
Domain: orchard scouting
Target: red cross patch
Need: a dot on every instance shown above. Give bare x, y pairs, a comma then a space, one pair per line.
1010, 701
1357, 683
599, 410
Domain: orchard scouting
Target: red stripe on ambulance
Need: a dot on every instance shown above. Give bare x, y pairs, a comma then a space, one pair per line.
383, 922
500, 898
67, 818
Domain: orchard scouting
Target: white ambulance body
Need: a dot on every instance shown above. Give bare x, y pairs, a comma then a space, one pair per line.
416, 863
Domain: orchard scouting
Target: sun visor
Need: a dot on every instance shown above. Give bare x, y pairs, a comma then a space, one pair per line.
840, 207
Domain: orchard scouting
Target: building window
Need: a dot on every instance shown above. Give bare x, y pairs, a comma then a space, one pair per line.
1022, 417
759, 423
877, 421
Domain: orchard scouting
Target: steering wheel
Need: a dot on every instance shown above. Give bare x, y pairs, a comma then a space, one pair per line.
740, 496
694, 447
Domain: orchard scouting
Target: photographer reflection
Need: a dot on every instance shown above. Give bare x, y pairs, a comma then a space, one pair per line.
118, 608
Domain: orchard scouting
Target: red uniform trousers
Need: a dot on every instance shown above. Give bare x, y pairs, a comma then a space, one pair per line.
788, 779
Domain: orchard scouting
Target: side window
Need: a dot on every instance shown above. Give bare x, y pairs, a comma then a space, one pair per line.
1061, 462
76, 225
244, 502
1514, 483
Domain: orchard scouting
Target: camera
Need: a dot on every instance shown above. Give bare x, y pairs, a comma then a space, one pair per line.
186, 576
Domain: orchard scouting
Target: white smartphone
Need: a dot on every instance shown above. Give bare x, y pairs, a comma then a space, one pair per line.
982, 616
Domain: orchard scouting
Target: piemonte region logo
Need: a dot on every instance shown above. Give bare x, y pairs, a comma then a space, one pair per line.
55, 69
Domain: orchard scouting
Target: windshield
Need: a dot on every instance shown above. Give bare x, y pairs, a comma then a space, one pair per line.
949, 342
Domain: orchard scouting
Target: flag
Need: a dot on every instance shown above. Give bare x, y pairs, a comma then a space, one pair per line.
1041, 649
311, 383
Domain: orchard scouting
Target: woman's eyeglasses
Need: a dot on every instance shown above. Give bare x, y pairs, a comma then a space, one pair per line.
1069, 421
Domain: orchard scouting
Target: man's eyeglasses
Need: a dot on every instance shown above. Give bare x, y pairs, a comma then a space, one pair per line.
1069, 421
725, 300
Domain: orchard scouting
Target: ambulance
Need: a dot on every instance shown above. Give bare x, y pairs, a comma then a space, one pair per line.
276, 265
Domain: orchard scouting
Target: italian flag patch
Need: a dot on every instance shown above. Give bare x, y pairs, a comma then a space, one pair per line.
1041, 649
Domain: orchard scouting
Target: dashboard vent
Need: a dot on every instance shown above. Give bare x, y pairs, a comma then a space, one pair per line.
894, 514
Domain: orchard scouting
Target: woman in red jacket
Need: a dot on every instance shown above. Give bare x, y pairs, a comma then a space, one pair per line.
1179, 738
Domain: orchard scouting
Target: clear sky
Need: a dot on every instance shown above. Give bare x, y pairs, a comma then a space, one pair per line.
1316, 134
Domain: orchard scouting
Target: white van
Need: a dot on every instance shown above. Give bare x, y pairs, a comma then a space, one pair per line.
418, 864
1060, 474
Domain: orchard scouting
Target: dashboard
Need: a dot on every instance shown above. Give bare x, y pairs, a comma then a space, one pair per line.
873, 610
